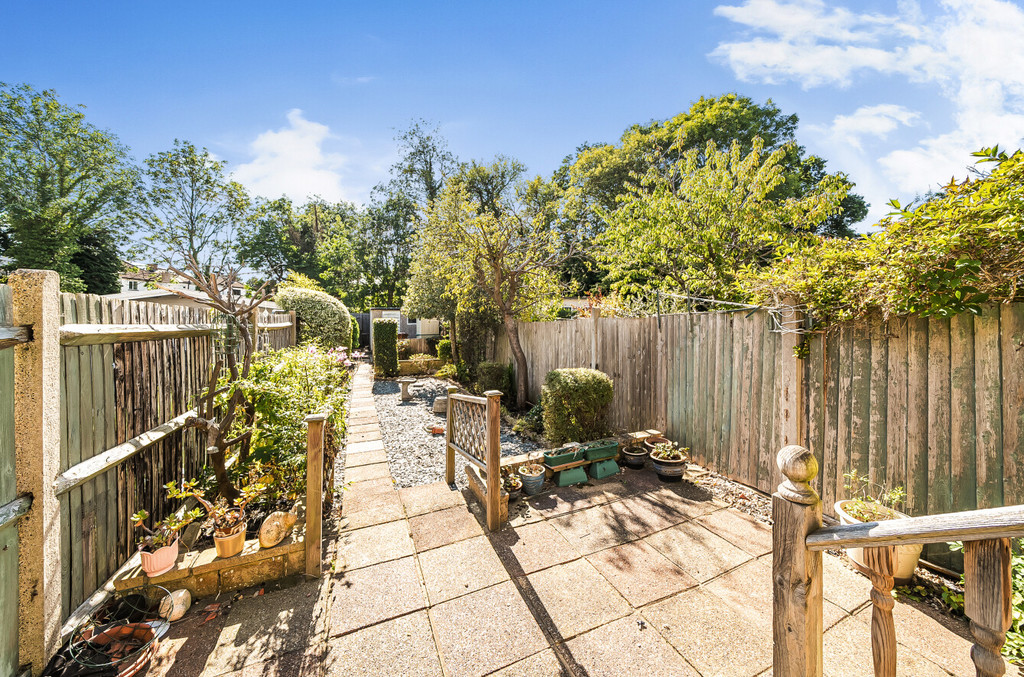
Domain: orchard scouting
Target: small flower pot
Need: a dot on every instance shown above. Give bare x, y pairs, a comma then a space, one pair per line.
669, 471
161, 561
229, 546
906, 555
634, 458
531, 483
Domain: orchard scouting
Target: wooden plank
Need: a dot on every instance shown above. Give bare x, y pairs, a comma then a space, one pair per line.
988, 408
814, 403
741, 371
14, 510
963, 474
976, 525
766, 458
1012, 356
917, 416
100, 543
878, 400
725, 391
860, 398
940, 495
75, 334
13, 336
493, 445
896, 405
110, 440
797, 597
832, 475
756, 357
314, 492
845, 461
74, 431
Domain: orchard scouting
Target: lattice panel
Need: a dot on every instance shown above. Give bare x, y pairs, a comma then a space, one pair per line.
469, 427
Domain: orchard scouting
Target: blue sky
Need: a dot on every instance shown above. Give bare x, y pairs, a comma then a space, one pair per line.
305, 98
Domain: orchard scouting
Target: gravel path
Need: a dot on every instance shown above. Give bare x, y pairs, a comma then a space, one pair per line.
417, 457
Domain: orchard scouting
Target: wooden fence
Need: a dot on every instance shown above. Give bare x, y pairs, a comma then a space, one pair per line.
934, 405
127, 374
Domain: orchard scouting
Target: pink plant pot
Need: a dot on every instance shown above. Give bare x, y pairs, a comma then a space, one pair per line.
161, 561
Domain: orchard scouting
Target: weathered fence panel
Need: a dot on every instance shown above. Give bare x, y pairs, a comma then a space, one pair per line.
8, 493
933, 405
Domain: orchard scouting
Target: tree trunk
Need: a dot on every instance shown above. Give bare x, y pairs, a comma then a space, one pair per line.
512, 327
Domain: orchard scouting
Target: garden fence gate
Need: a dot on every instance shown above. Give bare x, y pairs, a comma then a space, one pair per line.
474, 431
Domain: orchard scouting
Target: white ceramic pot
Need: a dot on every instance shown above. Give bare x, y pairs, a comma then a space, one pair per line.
906, 555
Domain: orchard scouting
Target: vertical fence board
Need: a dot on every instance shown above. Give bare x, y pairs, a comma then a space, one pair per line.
988, 400
1012, 331
896, 405
917, 416
962, 410
878, 400
768, 424
860, 401
8, 491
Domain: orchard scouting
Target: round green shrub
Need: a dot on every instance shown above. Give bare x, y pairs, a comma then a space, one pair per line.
576, 404
323, 319
385, 346
444, 350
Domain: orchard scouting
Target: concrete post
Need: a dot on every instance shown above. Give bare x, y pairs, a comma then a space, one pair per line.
36, 296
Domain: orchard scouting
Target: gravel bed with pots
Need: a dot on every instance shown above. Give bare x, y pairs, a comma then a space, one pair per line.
415, 455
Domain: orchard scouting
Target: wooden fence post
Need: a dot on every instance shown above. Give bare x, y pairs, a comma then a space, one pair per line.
314, 491
987, 601
493, 459
796, 571
36, 297
295, 327
449, 435
595, 314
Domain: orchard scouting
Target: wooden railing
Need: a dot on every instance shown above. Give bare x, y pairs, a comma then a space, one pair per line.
474, 431
798, 540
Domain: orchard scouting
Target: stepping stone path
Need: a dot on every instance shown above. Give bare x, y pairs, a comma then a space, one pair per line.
618, 577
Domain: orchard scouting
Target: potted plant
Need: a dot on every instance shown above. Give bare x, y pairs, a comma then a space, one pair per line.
567, 454
599, 450
158, 547
634, 457
669, 461
513, 485
654, 441
532, 477
866, 506
226, 518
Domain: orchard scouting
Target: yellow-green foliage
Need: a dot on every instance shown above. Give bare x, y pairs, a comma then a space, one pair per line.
575, 404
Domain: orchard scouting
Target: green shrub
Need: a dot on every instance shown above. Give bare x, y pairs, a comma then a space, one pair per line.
323, 319
403, 349
532, 421
449, 371
494, 376
385, 346
444, 350
355, 334
576, 403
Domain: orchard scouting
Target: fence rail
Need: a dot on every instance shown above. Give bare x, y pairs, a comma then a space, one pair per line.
934, 405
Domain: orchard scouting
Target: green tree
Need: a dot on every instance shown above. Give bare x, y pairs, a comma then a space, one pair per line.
425, 165
99, 259
383, 250
61, 178
697, 228
490, 239
190, 209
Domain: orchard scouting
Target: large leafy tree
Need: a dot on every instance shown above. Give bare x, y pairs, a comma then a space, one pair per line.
425, 165
99, 259
695, 228
61, 179
191, 210
383, 249
490, 238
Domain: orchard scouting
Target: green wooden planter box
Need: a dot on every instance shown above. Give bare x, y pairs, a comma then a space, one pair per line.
600, 449
562, 456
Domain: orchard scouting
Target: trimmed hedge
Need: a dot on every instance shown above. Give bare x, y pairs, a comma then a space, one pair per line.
385, 346
355, 334
494, 376
324, 319
444, 349
576, 403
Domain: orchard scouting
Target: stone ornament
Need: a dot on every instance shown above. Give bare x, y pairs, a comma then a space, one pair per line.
276, 527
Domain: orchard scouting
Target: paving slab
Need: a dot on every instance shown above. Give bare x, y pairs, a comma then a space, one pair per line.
376, 593
686, 498
712, 638
368, 513
532, 547
362, 419
460, 568
485, 631
846, 652
628, 646
363, 428
306, 663
365, 458
367, 436
356, 447
557, 502
402, 646
843, 586
367, 472
443, 527
742, 530
357, 491
429, 498
643, 515
543, 664
593, 529
576, 597
640, 573
373, 545
697, 551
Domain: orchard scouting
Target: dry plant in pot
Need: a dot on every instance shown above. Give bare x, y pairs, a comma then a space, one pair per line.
872, 502
669, 461
532, 476
226, 518
158, 547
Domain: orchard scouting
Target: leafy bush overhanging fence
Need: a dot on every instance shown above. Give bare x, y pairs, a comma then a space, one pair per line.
92, 424
933, 404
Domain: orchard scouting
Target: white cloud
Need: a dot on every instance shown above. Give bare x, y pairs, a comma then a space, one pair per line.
347, 80
293, 161
971, 51
877, 121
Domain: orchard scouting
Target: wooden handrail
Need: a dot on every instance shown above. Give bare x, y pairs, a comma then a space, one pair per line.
13, 336
101, 334
972, 525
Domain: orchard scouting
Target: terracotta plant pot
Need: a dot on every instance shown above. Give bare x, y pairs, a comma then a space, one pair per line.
906, 555
161, 561
229, 546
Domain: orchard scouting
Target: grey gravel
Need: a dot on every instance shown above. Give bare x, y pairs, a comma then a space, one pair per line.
743, 498
416, 456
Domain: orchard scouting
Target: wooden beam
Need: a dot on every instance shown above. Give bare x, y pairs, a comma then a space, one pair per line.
100, 334
86, 470
314, 492
493, 446
13, 336
13, 511
973, 525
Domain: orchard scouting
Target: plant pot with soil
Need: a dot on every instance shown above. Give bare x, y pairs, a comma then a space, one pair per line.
532, 477
227, 518
866, 507
158, 547
513, 485
669, 461
635, 457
